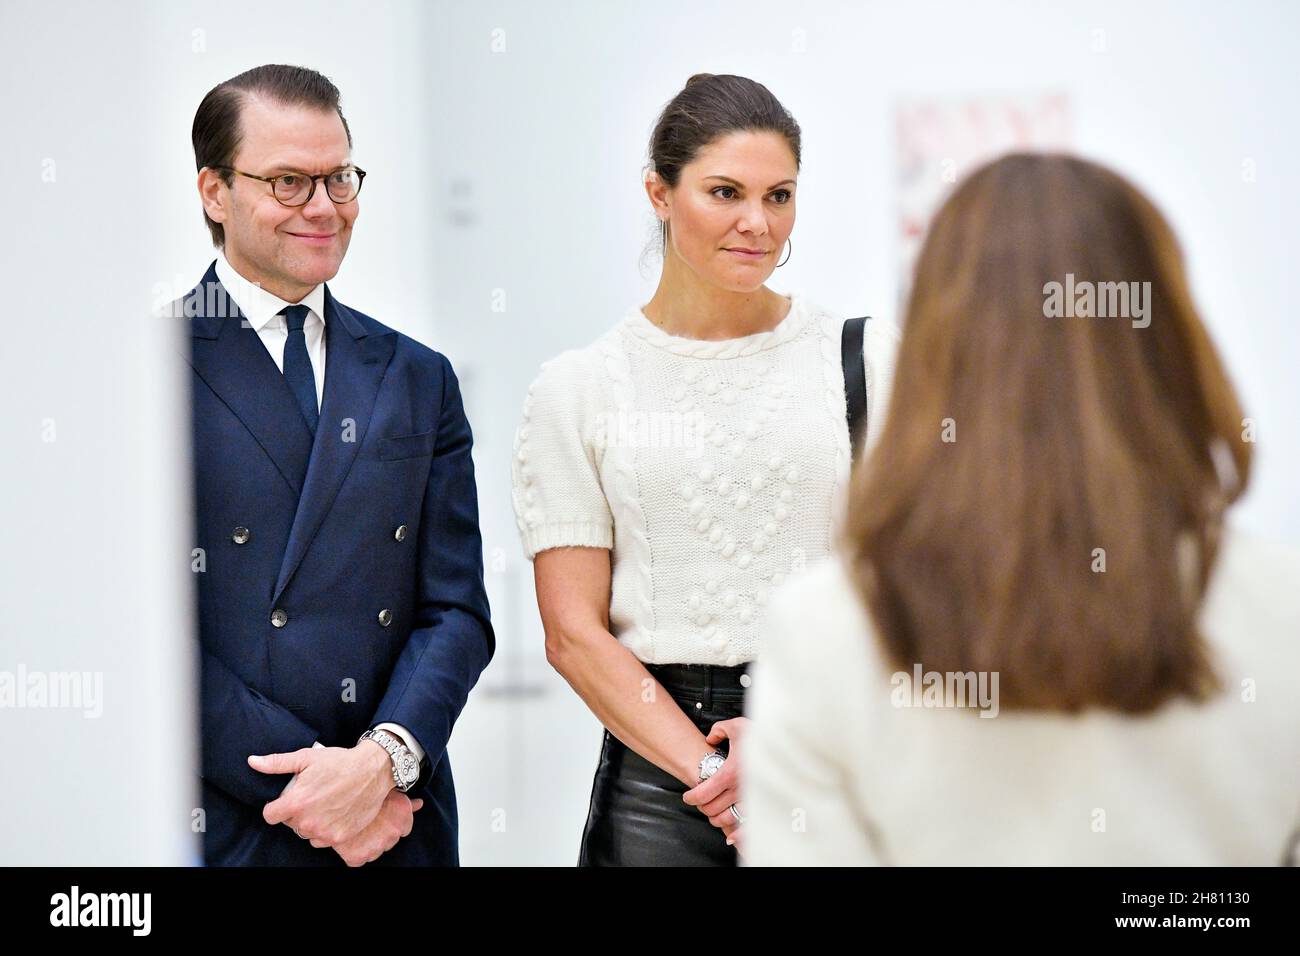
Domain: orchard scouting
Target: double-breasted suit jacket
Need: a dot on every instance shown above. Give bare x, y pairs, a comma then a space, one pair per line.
341, 584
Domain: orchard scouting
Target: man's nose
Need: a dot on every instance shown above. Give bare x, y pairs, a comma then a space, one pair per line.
321, 206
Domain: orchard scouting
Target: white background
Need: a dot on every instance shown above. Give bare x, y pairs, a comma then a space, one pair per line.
505, 144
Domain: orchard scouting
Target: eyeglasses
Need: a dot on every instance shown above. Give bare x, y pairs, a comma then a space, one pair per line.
296, 189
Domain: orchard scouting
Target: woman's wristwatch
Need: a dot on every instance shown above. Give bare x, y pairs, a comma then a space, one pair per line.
711, 764
406, 769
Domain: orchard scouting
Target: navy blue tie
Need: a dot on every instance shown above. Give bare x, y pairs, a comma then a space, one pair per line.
297, 366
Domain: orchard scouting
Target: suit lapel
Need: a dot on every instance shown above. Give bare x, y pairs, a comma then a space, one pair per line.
228, 355
355, 363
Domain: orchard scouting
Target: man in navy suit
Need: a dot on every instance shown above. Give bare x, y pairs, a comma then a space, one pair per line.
342, 613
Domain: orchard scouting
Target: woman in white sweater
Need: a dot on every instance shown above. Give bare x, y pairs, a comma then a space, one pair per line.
1038, 644
670, 475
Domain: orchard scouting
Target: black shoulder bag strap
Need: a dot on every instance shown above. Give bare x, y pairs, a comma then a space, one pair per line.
855, 382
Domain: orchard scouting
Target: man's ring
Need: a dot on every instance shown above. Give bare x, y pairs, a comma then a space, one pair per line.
736, 813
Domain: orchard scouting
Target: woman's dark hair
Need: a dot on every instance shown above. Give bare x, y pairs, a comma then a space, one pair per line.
711, 106
216, 134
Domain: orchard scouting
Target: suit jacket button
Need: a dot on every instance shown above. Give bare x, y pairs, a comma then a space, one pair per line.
400, 533
385, 617
240, 535
279, 618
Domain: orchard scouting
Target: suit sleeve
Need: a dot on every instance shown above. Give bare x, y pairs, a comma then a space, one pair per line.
238, 721
452, 638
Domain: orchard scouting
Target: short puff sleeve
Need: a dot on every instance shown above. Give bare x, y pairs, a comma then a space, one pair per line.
555, 469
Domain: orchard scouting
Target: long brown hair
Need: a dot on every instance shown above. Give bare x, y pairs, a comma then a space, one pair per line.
1046, 495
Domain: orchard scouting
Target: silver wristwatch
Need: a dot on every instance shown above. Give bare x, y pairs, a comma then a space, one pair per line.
406, 769
711, 764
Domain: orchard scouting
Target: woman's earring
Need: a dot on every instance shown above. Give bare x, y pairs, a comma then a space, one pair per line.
787, 255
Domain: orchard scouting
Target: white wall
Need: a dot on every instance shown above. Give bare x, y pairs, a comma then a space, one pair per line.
95, 561
513, 174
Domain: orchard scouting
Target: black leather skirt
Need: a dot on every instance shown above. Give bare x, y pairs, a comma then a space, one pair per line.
637, 816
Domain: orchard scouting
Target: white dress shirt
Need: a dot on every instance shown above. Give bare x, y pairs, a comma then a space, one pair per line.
262, 310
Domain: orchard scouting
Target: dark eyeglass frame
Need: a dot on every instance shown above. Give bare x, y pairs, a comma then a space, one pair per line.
311, 191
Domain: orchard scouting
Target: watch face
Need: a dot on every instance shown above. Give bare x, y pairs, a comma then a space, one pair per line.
409, 768
711, 765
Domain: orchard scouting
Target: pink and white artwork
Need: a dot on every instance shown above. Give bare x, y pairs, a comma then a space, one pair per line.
941, 140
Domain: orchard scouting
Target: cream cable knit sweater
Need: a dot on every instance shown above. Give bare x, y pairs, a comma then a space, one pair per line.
712, 469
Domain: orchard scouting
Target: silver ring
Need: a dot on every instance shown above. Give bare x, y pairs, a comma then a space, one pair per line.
736, 813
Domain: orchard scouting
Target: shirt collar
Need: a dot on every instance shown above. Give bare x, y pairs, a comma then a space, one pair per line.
258, 305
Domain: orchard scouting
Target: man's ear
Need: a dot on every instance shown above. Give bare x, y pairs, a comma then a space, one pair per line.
213, 192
